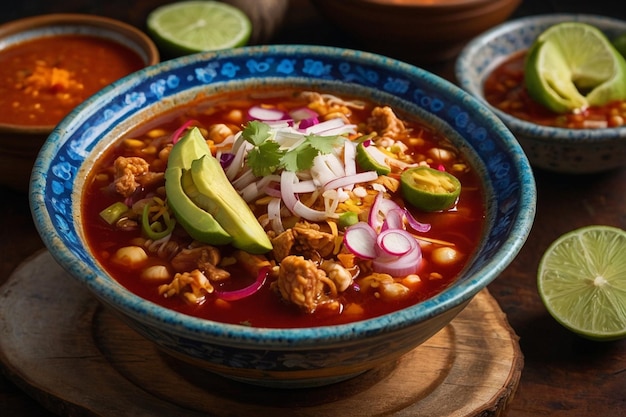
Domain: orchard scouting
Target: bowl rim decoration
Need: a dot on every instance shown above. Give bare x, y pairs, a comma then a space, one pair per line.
55, 191
52, 24
488, 48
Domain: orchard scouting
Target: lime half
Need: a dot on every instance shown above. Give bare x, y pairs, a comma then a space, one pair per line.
573, 65
193, 26
429, 189
582, 281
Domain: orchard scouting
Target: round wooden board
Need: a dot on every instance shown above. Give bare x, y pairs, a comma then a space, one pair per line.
77, 358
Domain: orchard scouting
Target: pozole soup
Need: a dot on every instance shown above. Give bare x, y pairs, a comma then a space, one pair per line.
284, 210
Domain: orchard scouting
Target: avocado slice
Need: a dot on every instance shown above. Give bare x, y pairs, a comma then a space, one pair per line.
197, 222
208, 187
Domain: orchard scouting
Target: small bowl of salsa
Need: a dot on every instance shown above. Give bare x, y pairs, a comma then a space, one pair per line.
491, 67
50, 64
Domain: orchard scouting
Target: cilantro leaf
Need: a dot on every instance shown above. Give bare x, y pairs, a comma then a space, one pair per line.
324, 144
265, 158
300, 158
256, 132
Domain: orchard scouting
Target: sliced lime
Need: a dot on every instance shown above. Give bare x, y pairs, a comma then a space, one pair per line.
429, 189
582, 281
573, 65
370, 158
193, 26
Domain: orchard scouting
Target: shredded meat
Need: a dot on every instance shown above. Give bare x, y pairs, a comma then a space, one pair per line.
303, 239
126, 172
205, 258
385, 122
192, 286
302, 283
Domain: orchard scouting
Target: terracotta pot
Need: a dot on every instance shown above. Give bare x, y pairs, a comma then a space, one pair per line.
418, 31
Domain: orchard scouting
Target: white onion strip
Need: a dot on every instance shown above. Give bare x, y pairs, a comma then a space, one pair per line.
351, 180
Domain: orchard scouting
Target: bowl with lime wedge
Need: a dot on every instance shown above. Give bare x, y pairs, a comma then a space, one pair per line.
558, 82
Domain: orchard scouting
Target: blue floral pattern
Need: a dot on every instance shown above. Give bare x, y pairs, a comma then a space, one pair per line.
57, 176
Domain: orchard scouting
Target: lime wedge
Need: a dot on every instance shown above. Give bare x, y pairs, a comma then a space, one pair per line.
188, 27
582, 282
573, 65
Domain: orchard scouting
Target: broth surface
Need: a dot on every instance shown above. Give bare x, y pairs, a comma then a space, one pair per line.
459, 227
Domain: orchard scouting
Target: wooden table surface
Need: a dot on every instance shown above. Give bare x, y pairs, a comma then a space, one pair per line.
563, 374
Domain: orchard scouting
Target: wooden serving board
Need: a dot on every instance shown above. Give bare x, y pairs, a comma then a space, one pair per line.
77, 358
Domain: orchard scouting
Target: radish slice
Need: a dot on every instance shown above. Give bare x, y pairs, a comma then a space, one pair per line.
360, 239
395, 242
302, 113
263, 113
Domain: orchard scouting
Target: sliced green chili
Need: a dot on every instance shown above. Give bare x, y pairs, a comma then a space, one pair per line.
156, 230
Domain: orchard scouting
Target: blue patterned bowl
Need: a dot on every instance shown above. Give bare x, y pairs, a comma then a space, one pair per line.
283, 357
567, 151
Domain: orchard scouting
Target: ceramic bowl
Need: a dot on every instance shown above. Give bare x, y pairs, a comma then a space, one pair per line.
19, 144
570, 151
283, 357
417, 31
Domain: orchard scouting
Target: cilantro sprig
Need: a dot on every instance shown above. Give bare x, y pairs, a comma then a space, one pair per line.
268, 157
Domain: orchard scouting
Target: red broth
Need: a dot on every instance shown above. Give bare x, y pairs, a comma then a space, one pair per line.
461, 225
504, 89
42, 80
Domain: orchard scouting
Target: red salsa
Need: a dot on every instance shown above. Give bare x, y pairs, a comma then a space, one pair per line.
42, 80
504, 89
341, 286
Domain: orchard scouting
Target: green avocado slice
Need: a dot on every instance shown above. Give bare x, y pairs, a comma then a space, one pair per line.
209, 188
200, 224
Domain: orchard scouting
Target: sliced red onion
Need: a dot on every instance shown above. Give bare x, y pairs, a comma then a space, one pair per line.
240, 150
393, 220
374, 221
226, 159
178, 133
266, 114
360, 239
246, 291
273, 214
339, 131
306, 212
351, 180
321, 172
308, 122
306, 186
287, 193
415, 224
